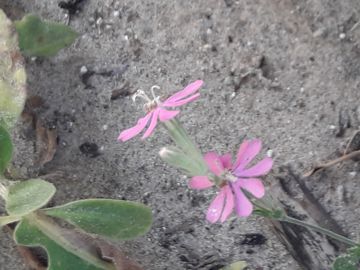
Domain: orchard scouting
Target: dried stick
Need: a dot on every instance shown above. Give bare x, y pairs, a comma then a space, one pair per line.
332, 162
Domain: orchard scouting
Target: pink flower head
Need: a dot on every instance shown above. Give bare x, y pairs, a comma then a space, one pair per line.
236, 177
157, 109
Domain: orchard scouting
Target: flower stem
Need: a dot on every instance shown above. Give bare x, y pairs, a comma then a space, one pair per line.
319, 229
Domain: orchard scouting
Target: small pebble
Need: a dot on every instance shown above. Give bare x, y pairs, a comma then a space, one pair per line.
116, 13
99, 21
318, 33
270, 153
352, 174
332, 127
342, 36
105, 127
83, 70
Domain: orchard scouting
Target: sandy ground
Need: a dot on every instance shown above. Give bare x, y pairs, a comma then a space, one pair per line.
283, 71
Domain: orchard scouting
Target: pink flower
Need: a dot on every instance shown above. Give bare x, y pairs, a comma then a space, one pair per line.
236, 177
158, 110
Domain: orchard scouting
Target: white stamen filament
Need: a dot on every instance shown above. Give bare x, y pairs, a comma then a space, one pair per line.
150, 103
141, 94
153, 92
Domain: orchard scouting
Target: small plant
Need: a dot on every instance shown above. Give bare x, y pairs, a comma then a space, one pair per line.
25, 200
240, 187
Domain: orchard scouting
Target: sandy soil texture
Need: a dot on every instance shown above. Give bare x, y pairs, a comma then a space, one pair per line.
284, 71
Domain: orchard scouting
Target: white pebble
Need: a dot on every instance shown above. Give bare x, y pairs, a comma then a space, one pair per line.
83, 70
116, 13
105, 127
332, 127
352, 174
342, 36
270, 153
99, 21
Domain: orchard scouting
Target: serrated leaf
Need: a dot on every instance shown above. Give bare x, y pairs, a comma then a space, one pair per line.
240, 265
12, 74
5, 149
41, 38
64, 250
113, 219
28, 196
348, 261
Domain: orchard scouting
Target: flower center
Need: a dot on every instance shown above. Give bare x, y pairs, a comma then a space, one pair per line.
228, 176
151, 104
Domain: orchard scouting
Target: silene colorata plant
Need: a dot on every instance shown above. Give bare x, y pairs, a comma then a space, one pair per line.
238, 181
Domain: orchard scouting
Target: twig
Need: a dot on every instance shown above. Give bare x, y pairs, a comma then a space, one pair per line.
332, 162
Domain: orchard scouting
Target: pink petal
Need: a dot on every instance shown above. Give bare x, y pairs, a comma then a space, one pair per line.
226, 161
214, 163
180, 102
166, 115
261, 168
229, 204
152, 125
247, 151
216, 207
243, 206
252, 185
135, 130
188, 90
200, 182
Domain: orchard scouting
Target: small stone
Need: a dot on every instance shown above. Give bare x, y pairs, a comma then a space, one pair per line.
342, 36
318, 33
270, 153
332, 127
99, 21
352, 174
83, 70
116, 13
105, 127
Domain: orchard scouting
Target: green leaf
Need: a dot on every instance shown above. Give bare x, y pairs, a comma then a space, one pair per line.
41, 38
28, 196
240, 265
5, 149
348, 261
110, 218
64, 250
12, 74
